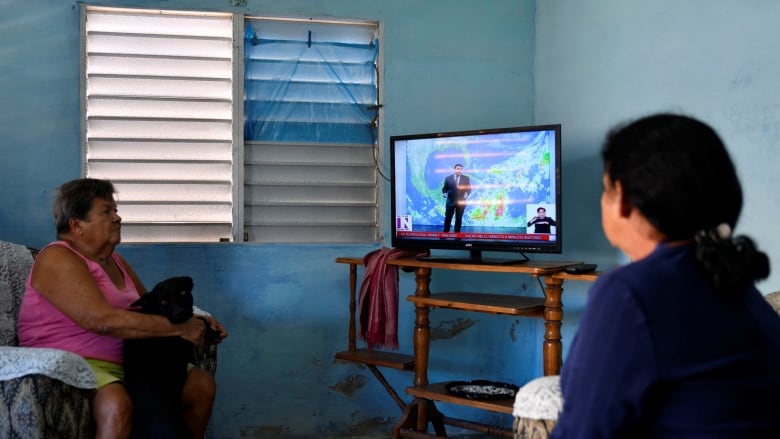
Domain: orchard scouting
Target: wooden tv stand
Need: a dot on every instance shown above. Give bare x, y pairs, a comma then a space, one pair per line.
416, 415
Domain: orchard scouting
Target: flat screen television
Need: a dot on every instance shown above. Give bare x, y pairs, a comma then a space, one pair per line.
508, 192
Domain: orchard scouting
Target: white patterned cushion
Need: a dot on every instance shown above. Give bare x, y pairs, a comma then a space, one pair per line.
774, 300
540, 398
62, 365
15, 264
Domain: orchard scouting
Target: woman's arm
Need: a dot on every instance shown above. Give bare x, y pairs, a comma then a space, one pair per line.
609, 369
64, 280
221, 332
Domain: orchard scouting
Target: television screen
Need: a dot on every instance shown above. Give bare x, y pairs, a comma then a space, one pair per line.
492, 190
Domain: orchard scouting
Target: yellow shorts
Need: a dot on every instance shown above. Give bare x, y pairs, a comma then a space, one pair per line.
107, 372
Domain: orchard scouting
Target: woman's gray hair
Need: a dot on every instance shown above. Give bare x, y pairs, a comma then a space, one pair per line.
74, 199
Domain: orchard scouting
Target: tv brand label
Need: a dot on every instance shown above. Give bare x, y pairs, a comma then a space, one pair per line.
403, 223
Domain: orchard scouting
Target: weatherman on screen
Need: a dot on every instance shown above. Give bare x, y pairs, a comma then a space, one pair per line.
456, 189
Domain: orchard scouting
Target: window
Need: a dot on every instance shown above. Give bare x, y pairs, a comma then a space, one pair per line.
163, 119
310, 120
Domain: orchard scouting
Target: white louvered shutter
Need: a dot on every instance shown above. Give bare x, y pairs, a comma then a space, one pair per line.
158, 111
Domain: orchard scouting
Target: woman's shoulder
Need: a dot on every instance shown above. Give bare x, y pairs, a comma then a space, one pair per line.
55, 263
57, 249
666, 277
59, 254
663, 262
660, 267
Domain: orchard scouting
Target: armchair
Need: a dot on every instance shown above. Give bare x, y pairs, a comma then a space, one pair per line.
45, 393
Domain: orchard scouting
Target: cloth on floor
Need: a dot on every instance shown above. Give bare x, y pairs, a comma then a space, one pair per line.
378, 300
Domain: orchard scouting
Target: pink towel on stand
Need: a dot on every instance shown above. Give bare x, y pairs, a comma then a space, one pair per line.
378, 300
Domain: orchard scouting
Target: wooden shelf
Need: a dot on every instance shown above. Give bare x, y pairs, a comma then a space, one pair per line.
392, 360
587, 277
349, 260
419, 413
437, 392
484, 302
535, 268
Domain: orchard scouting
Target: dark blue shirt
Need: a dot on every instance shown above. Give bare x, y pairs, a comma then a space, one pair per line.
659, 355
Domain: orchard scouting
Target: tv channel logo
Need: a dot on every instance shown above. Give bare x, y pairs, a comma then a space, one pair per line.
403, 223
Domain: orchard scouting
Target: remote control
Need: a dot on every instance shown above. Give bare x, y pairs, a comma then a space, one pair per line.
580, 268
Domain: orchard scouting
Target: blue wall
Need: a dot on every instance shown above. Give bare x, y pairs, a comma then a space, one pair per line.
449, 64
604, 61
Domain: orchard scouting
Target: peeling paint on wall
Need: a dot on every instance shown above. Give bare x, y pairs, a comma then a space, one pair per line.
350, 385
369, 427
264, 431
450, 328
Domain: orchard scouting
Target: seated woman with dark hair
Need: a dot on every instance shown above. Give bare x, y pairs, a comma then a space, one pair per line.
679, 343
77, 299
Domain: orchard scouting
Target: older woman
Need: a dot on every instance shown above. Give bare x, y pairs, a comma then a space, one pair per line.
678, 343
77, 299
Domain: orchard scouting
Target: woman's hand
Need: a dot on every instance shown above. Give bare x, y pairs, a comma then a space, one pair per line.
217, 332
193, 330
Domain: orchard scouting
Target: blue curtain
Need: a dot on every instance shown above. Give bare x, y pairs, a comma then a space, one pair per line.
300, 90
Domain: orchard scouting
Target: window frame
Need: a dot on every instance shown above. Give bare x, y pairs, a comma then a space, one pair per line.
238, 174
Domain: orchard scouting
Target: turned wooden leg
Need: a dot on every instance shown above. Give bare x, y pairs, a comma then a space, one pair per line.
552, 349
407, 420
422, 328
409, 424
352, 306
422, 341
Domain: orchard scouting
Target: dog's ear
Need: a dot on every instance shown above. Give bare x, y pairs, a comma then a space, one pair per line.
142, 301
184, 283
180, 283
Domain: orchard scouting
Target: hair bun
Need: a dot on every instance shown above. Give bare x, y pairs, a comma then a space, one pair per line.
755, 262
729, 263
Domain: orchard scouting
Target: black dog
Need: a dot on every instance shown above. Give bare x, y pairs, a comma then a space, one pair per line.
156, 368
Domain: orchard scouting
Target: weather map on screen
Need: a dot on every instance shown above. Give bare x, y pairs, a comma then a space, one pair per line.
496, 181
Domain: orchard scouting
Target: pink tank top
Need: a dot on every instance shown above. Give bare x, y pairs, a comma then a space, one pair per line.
43, 325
